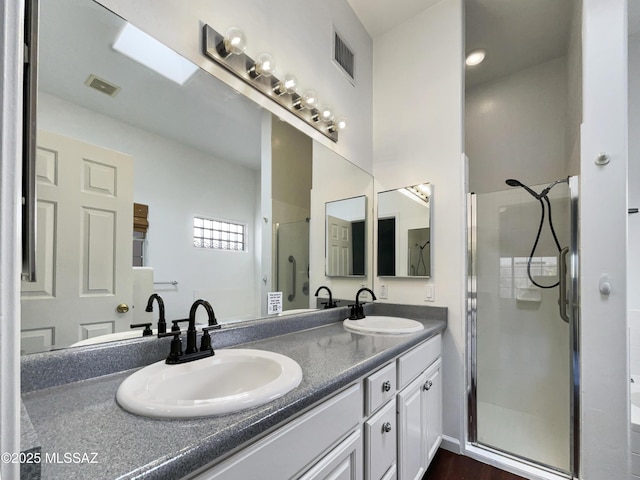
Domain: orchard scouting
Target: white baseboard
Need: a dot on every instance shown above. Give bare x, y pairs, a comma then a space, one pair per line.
451, 444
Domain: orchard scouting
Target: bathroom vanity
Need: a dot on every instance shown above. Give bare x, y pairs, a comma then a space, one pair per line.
341, 419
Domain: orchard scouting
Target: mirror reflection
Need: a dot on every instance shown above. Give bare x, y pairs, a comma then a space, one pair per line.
404, 231
215, 191
346, 237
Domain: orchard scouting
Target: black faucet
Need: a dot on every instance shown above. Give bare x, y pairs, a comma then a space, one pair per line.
330, 303
357, 311
191, 330
191, 352
162, 323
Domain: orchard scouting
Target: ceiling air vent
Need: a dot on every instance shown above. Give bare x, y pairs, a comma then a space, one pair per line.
343, 56
102, 85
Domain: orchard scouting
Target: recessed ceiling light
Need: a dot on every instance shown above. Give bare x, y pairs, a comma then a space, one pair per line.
148, 51
475, 57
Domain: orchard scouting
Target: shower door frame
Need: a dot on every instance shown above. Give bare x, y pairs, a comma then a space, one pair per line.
574, 335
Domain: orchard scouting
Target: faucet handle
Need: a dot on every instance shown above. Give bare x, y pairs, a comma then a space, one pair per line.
205, 341
147, 328
175, 323
176, 345
333, 304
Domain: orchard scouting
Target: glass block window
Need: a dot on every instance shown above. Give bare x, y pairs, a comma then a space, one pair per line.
219, 234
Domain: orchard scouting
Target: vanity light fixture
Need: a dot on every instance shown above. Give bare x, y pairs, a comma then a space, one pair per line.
146, 50
234, 42
229, 52
288, 84
326, 113
265, 66
475, 57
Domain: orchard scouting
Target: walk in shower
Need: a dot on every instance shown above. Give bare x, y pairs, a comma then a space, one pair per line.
523, 324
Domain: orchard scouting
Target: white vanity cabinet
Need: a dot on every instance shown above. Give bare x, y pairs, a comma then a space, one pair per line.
394, 437
404, 401
420, 413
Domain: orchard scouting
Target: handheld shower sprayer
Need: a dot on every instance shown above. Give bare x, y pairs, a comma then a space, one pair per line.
543, 198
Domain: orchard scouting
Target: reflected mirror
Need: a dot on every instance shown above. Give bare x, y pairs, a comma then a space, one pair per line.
404, 231
188, 154
345, 224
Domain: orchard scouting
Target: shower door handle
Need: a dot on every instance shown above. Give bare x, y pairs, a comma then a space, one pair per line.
562, 299
292, 296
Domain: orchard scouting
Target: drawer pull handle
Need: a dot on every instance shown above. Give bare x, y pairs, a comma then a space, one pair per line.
428, 385
386, 386
386, 427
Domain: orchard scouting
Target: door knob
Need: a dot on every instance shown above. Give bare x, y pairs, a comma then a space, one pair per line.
122, 308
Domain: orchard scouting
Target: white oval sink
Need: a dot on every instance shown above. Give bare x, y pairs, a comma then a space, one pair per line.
383, 325
230, 381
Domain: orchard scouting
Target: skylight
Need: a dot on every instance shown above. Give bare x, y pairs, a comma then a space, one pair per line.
144, 49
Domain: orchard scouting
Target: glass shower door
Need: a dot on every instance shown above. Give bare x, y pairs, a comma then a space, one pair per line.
522, 380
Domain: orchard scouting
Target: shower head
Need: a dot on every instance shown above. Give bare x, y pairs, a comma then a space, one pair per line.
516, 183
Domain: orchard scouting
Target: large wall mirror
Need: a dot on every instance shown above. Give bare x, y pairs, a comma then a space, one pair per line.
192, 153
404, 231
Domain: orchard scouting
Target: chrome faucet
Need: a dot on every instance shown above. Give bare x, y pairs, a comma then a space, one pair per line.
191, 352
330, 303
162, 323
357, 311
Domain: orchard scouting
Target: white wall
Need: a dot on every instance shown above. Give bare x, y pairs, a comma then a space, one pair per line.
177, 182
605, 446
633, 261
417, 135
300, 37
515, 128
11, 58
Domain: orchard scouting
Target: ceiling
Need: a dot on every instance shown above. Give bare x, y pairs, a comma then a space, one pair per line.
75, 41
515, 33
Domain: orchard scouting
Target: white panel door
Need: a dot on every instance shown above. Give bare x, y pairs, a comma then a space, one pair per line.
84, 240
339, 252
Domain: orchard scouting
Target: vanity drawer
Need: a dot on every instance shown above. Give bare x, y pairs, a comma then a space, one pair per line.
411, 364
379, 388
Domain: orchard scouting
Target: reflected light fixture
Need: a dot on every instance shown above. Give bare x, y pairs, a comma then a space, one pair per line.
229, 52
475, 57
146, 50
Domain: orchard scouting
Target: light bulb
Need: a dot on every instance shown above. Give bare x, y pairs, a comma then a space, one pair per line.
235, 42
309, 99
326, 113
476, 57
339, 124
264, 66
288, 84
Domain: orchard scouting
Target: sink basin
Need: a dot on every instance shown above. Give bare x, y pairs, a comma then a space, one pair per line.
230, 381
383, 325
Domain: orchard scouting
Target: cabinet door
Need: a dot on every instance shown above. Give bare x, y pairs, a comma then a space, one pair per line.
380, 442
412, 433
343, 462
433, 394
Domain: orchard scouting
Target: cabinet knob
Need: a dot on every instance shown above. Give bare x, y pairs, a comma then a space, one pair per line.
386, 386
386, 427
428, 385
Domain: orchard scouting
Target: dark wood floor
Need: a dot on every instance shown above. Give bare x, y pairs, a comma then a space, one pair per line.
449, 466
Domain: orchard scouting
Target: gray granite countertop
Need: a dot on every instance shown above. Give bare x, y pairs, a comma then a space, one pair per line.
83, 417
